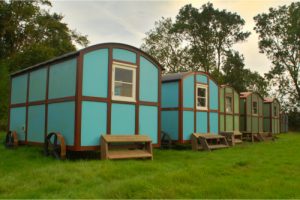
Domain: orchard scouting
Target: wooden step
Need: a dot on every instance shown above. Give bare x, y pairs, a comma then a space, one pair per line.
123, 154
238, 141
217, 146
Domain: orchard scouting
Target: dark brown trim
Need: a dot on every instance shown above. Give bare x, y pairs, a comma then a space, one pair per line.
170, 109
27, 99
63, 99
159, 108
180, 111
108, 115
137, 94
34, 103
208, 104
46, 100
97, 99
146, 103
86, 50
9, 108
78, 110
195, 104
18, 105
50, 63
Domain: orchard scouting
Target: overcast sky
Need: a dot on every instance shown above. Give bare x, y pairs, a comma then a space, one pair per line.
127, 21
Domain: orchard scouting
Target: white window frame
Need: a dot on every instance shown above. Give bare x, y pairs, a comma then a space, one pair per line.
231, 97
275, 109
206, 96
127, 67
256, 108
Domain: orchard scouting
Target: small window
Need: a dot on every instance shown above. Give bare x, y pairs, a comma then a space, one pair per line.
123, 84
228, 104
201, 97
254, 108
275, 111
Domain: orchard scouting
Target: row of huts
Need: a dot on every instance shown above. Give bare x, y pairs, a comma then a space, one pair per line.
117, 89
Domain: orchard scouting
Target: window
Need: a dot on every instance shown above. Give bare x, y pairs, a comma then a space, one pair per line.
275, 111
228, 104
254, 107
201, 97
123, 84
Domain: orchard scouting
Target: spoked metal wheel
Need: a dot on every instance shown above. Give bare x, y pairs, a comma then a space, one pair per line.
166, 141
55, 146
11, 139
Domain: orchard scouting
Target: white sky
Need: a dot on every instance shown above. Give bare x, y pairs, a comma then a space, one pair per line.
127, 21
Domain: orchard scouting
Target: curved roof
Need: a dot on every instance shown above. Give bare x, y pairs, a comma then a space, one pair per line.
87, 49
182, 75
228, 86
246, 94
270, 100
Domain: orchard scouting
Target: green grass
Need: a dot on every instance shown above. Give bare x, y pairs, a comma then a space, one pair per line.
260, 170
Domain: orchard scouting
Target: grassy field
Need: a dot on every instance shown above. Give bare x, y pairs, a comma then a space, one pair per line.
260, 170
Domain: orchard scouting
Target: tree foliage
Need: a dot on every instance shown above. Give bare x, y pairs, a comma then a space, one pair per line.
200, 36
237, 76
279, 39
210, 32
30, 34
167, 47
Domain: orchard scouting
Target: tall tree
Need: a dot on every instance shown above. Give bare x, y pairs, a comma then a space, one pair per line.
240, 78
279, 39
166, 47
211, 33
30, 34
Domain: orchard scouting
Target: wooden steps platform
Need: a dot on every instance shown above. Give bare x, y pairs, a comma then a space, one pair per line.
252, 137
233, 137
126, 154
267, 136
140, 147
208, 141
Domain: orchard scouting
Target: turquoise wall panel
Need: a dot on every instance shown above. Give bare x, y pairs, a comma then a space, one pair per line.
37, 85
214, 122
61, 117
148, 81
213, 95
201, 78
148, 122
95, 73
188, 92
93, 122
62, 80
201, 122
124, 55
169, 95
36, 123
18, 121
122, 119
169, 123
19, 89
188, 124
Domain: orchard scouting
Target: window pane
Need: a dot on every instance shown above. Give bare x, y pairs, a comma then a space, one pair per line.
201, 92
123, 75
201, 102
228, 104
254, 105
123, 89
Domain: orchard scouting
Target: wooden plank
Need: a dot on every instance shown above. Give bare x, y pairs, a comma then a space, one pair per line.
126, 138
129, 154
217, 146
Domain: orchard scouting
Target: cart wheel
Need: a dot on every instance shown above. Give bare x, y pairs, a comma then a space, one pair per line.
166, 141
55, 146
11, 139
